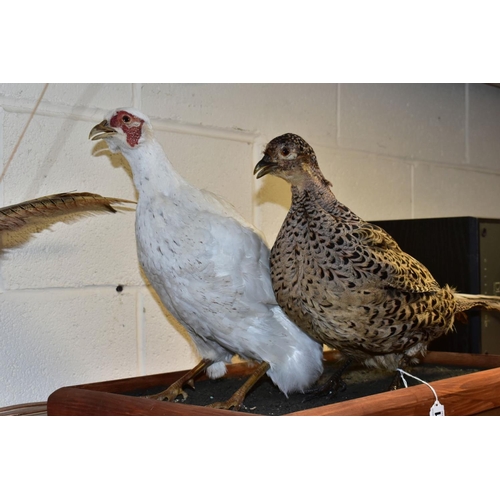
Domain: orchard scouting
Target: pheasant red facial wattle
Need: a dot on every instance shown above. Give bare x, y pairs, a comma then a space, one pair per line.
130, 124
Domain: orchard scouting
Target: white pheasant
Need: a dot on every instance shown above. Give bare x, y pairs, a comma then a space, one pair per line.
210, 269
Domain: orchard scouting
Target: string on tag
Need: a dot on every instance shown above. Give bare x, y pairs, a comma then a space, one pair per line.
437, 409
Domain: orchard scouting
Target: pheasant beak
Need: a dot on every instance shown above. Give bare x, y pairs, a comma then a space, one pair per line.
101, 131
264, 167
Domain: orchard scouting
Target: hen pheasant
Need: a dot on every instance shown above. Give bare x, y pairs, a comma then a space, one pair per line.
209, 267
345, 281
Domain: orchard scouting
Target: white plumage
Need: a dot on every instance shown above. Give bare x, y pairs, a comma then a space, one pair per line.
209, 267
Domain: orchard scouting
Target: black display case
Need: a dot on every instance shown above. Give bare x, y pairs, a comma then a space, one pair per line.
463, 252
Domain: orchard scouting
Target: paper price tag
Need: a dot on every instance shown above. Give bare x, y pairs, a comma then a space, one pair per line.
437, 410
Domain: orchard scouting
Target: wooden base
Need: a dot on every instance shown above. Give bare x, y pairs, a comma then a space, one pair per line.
472, 394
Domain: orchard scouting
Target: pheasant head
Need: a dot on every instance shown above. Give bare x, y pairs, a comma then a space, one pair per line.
291, 158
123, 129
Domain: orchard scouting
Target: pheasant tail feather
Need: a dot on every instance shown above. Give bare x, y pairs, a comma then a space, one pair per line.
15, 216
468, 301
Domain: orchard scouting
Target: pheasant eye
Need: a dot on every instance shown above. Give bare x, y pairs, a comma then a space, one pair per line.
126, 119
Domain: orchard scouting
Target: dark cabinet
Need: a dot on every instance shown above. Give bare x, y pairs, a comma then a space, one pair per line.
463, 252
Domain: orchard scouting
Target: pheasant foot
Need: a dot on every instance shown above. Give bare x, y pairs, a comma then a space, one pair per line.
176, 389
332, 386
236, 400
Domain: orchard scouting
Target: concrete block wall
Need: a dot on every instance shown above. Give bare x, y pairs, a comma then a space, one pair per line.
390, 150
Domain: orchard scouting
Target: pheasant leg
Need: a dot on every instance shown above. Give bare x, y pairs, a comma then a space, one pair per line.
175, 389
397, 382
236, 400
332, 386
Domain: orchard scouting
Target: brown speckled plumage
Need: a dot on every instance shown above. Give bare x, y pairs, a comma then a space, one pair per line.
345, 281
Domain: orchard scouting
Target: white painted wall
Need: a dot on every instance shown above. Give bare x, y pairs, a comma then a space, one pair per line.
391, 151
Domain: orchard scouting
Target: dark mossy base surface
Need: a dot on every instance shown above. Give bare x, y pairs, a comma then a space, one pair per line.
266, 399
